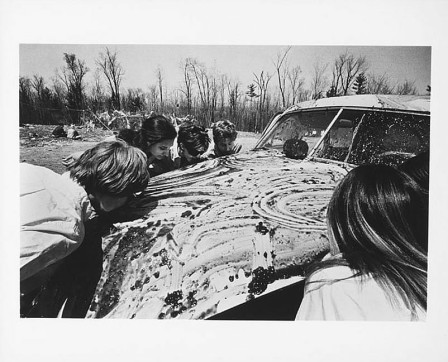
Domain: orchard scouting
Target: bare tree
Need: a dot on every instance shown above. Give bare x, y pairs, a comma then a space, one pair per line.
73, 78
222, 94
188, 85
234, 96
319, 81
159, 77
262, 81
112, 70
304, 95
282, 70
345, 70
407, 87
199, 73
207, 89
296, 83
175, 99
26, 111
38, 84
58, 89
134, 101
379, 84
153, 97
97, 94
213, 98
25, 90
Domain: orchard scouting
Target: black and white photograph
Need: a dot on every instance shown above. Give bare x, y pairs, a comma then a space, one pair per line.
199, 185
232, 211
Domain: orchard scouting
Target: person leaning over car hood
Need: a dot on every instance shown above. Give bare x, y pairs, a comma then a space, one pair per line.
224, 136
378, 232
192, 142
155, 138
55, 207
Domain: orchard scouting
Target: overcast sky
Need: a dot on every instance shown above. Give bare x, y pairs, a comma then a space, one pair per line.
239, 62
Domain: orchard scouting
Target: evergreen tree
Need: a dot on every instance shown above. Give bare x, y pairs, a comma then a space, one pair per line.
251, 91
251, 94
332, 92
359, 86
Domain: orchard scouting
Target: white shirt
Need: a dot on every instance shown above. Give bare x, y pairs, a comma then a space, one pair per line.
53, 209
350, 299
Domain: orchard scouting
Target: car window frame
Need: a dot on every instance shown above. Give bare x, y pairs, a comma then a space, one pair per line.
272, 126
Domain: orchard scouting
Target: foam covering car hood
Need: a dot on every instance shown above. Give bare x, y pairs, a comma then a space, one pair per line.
215, 235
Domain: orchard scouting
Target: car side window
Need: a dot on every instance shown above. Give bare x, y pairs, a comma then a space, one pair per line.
388, 138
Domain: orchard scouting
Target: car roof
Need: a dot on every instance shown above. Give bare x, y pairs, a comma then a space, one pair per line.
380, 101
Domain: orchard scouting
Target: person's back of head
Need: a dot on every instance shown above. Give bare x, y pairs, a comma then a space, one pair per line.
128, 135
378, 222
418, 168
111, 168
224, 130
194, 138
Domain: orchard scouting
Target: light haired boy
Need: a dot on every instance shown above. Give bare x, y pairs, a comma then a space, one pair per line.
54, 208
224, 136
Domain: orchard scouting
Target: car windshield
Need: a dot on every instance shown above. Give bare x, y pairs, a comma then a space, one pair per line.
355, 136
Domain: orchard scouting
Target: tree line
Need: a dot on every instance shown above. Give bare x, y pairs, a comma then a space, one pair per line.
205, 94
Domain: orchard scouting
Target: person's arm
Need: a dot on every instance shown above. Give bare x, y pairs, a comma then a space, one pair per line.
209, 154
53, 209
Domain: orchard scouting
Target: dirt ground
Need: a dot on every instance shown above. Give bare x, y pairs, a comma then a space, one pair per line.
38, 147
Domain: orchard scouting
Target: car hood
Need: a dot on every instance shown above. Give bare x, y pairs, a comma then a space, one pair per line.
215, 235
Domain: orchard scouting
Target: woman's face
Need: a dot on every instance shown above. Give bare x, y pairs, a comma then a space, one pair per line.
161, 149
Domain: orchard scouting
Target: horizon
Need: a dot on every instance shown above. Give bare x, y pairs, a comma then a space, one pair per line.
238, 62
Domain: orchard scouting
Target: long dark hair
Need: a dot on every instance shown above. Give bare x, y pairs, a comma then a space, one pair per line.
155, 129
418, 168
378, 220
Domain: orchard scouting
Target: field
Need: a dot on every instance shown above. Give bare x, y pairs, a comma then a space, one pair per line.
38, 147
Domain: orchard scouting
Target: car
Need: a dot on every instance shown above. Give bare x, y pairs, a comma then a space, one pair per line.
231, 233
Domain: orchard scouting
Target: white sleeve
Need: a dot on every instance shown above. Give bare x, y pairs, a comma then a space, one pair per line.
349, 299
330, 302
40, 249
52, 211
